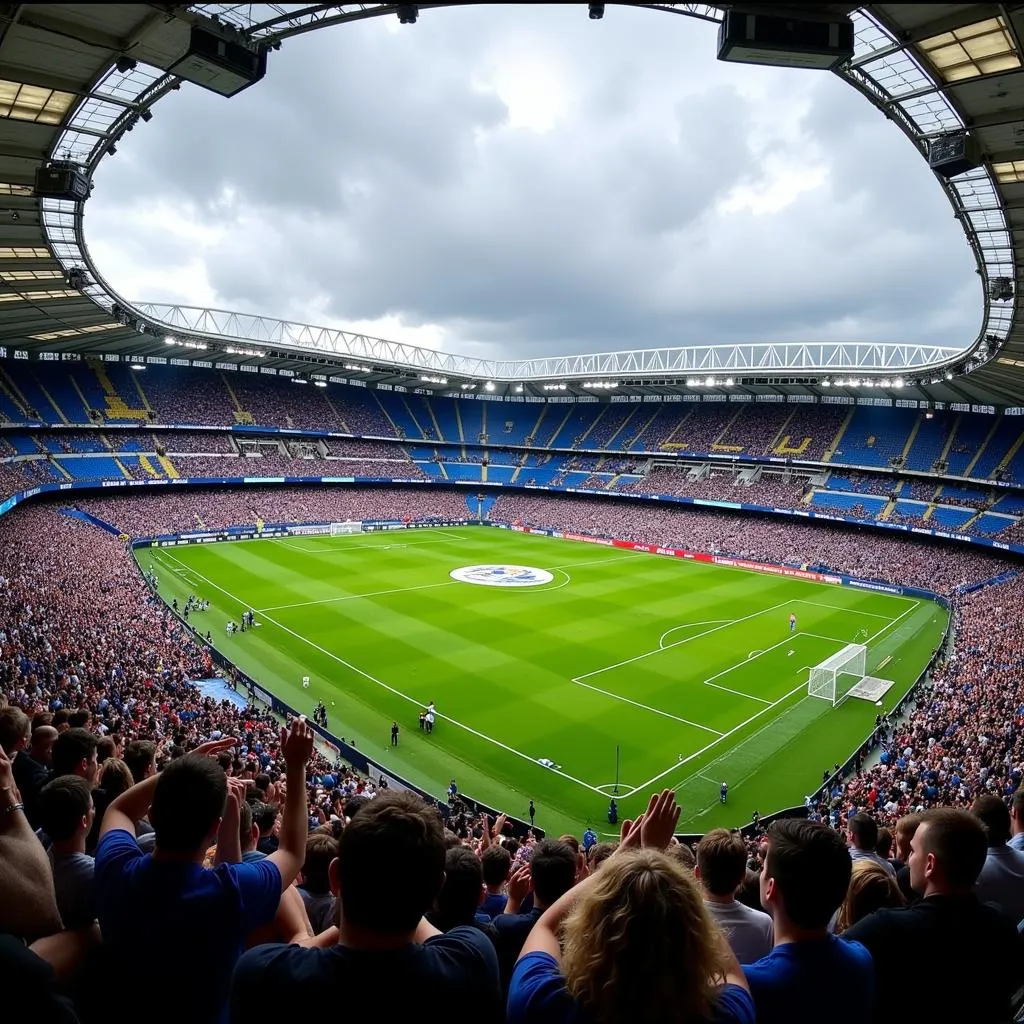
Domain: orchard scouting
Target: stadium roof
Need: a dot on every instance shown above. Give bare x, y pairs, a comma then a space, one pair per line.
75, 79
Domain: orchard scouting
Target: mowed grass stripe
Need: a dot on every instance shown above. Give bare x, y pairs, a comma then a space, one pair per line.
503, 662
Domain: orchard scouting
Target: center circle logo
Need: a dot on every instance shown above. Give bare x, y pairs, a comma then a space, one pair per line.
502, 575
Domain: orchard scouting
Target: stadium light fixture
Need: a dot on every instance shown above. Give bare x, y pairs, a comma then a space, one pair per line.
898, 382
949, 375
826, 383
138, 366
299, 380
519, 389
489, 386
710, 382
596, 11
320, 383
729, 382
169, 341
692, 382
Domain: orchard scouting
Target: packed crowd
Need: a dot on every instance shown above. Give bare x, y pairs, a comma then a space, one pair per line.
774, 490
148, 797
856, 552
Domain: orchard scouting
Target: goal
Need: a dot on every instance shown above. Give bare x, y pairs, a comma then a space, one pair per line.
836, 677
343, 529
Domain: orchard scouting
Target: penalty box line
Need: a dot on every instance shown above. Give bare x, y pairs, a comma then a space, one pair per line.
389, 688
753, 718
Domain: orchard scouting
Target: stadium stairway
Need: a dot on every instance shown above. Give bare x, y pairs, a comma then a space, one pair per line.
996, 423
944, 454
56, 408
670, 441
241, 415
116, 407
429, 406
149, 468
890, 507
536, 427
10, 391
914, 430
88, 517
780, 443
458, 423
837, 440
1011, 452
124, 469
622, 426
415, 422
168, 467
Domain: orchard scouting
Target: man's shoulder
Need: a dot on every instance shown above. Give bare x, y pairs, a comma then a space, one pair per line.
464, 939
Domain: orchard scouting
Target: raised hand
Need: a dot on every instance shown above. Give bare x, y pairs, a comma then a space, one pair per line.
297, 743
660, 820
236, 796
214, 747
520, 884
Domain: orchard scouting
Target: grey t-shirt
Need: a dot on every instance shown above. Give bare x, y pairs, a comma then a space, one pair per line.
750, 932
72, 879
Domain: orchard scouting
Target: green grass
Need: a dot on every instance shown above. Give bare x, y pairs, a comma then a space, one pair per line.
686, 667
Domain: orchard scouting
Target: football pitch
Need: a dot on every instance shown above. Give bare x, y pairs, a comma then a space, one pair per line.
622, 669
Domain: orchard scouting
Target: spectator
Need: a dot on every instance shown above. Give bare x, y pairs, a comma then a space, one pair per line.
1002, 877
74, 753
871, 888
1016, 819
140, 756
315, 888
458, 902
721, 867
385, 957
804, 881
947, 854
139, 897
863, 837
637, 943
906, 826
497, 866
65, 815
26, 749
551, 873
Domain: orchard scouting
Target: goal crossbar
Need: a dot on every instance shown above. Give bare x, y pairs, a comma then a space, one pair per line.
835, 677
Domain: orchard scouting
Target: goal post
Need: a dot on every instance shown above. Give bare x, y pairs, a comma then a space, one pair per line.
835, 677
345, 529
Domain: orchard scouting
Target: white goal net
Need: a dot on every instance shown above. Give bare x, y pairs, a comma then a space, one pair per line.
343, 529
836, 677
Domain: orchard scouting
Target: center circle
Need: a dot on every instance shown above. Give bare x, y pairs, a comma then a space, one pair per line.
502, 575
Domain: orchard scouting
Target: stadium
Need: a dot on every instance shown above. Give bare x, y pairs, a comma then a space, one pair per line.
332, 634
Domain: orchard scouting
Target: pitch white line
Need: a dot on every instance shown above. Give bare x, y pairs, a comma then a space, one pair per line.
354, 597
687, 625
679, 643
738, 693
752, 718
385, 686
646, 707
855, 611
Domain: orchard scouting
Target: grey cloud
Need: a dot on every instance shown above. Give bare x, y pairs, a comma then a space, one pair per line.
371, 176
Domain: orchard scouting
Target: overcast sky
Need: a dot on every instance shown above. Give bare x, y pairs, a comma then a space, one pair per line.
523, 181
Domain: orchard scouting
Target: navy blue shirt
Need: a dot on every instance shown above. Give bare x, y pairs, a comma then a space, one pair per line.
795, 980
458, 968
538, 996
176, 929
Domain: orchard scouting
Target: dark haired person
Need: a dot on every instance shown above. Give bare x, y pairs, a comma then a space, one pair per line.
383, 957
804, 881
947, 853
173, 927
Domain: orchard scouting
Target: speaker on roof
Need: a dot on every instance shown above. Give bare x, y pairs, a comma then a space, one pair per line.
220, 59
62, 182
1000, 289
953, 154
786, 40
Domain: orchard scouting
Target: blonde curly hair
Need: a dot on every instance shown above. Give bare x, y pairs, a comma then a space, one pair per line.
640, 946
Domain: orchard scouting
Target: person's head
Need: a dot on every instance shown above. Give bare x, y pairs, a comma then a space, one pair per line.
43, 739
863, 832
609, 962
115, 777
497, 865
248, 833
320, 851
265, 817
15, 730
65, 809
721, 862
683, 853
947, 852
871, 888
188, 804
140, 756
1017, 812
105, 748
806, 873
905, 829
74, 753
995, 816
553, 870
462, 891
79, 718
598, 854
884, 845
390, 864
